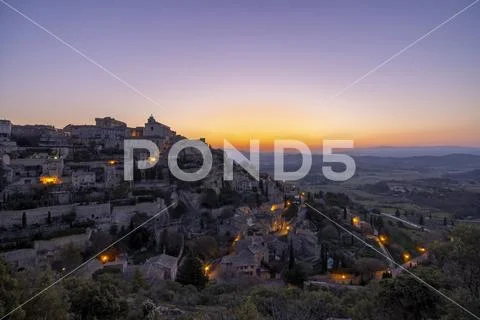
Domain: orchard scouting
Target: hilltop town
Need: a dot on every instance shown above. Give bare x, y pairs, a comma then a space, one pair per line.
63, 193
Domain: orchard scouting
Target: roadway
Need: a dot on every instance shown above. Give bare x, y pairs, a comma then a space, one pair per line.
391, 216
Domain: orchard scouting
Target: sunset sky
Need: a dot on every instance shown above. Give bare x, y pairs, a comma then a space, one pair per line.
249, 69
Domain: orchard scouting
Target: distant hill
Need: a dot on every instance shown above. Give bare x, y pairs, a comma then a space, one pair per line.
445, 163
449, 162
473, 175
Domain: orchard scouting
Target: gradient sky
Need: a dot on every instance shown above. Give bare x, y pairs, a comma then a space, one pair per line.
249, 69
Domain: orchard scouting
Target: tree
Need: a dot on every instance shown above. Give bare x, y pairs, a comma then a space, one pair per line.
465, 257
191, 272
421, 220
295, 276
138, 282
379, 223
206, 246
344, 213
468, 301
180, 210
70, 257
95, 299
70, 217
291, 259
9, 290
3, 181
100, 240
49, 218
24, 220
397, 213
164, 240
140, 239
368, 266
227, 213
210, 199
51, 304
328, 233
247, 311
404, 298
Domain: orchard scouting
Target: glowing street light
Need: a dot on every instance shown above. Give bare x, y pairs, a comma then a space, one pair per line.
237, 238
47, 180
104, 258
356, 221
383, 238
422, 249
206, 269
406, 256
152, 159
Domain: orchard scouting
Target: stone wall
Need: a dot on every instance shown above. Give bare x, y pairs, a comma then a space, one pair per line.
93, 212
122, 215
100, 213
38, 215
78, 240
22, 258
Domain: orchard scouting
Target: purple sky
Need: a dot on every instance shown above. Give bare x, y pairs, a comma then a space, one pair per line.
249, 69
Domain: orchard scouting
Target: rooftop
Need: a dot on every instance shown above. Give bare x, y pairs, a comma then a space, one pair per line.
164, 260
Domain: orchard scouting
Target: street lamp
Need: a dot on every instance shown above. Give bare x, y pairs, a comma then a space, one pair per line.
422, 249
382, 238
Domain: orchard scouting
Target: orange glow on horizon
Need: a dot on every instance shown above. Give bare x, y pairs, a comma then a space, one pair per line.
296, 120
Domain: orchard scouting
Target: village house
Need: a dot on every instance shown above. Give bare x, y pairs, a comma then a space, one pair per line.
162, 267
247, 259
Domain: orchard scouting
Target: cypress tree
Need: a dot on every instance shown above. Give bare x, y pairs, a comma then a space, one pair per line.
421, 220
191, 272
291, 260
24, 220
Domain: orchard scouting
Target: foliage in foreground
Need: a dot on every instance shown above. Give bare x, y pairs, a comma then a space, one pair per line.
453, 269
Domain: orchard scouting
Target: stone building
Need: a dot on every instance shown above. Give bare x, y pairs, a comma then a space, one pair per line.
99, 137
154, 129
109, 122
5, 129
162, 267
247, 259
82, 180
